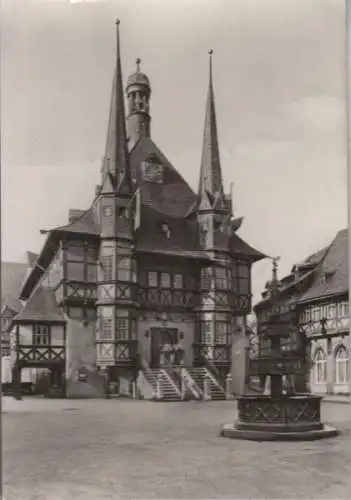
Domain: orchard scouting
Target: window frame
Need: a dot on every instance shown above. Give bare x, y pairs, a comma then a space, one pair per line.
320, 367
341, 361
40, 335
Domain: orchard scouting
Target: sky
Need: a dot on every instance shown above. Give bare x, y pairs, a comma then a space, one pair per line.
280, 85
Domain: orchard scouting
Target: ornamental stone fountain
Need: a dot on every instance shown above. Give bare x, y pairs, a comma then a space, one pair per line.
279, 415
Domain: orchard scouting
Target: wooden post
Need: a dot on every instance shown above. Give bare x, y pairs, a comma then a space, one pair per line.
16, 382
228, 386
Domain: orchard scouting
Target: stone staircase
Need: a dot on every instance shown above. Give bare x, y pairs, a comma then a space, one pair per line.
169, 388
170, 384
199, 374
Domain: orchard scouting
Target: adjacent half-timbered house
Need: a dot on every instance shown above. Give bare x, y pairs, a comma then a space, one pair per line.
151, 276
316, 294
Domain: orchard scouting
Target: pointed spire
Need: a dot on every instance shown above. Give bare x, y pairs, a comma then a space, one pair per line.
116, 153
210, 173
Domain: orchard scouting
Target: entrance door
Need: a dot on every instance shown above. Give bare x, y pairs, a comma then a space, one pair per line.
161, 337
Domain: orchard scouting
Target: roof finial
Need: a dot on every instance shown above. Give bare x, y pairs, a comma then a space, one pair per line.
210, 52
138, 61
275, 282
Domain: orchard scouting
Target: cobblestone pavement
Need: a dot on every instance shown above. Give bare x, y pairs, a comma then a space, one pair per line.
109, 449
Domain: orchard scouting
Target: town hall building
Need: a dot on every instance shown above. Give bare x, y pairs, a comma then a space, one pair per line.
150, 278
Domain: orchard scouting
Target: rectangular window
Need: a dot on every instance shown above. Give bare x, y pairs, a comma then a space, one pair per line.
152, 278
92, 255
165, 280
75, 253
106, 262
106, 329
41, 334
178, 281
343, 309
122, 325
124, 269
206, 333
206, 277
221, 333
331, 310
90, 314
91, 273
76, 313
221, 278
75, 271
107, 211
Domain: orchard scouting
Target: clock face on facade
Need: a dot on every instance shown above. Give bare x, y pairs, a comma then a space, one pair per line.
152, 170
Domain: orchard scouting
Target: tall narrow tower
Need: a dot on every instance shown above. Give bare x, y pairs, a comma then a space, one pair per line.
213, 207
138, 92
213, 211
115, 333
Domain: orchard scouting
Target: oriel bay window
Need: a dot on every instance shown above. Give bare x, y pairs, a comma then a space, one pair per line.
41, 334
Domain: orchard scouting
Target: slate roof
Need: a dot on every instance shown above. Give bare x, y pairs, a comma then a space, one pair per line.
41, 306
12, 277
183, 233
334, 266
85, 224
210, 180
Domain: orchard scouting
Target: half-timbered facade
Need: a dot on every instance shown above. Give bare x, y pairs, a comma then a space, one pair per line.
152, 274
316, 292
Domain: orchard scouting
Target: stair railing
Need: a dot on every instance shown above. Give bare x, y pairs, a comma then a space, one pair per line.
214, 374
214, 380
149, 376
190, 384
171, 381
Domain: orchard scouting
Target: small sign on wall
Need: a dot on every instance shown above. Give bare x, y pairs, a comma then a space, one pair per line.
82, 375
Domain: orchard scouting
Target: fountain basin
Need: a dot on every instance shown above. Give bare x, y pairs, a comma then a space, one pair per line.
287, 417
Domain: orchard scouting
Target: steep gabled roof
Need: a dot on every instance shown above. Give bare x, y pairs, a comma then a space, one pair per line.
41, 306
331, 275
12, 277
173, 196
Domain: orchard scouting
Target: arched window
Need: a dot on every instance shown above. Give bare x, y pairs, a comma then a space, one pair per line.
320, 367
341, 365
